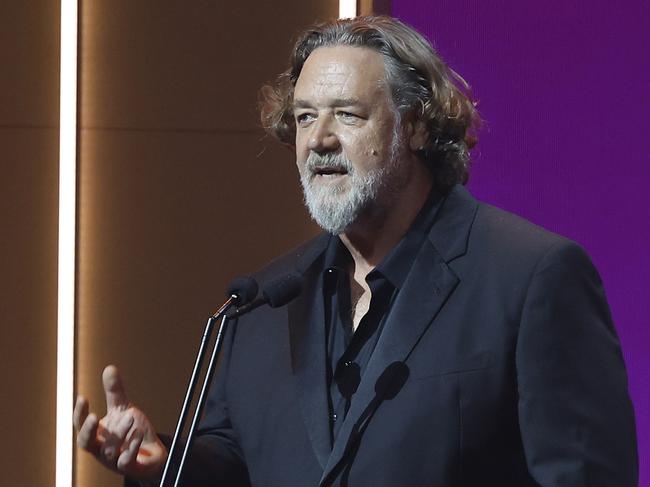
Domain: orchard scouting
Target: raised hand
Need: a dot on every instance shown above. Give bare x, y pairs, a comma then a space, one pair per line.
124, 440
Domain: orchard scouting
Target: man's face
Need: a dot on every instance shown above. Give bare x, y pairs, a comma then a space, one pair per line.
347, 135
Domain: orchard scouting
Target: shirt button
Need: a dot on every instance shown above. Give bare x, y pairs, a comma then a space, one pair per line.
347, 363
334, 417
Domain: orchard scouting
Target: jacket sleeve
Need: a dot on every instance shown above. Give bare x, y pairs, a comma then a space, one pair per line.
576, 418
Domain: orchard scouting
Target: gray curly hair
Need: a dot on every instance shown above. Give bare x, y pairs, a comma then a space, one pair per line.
423, 89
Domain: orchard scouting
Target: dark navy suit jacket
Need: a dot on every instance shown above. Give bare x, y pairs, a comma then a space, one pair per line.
497, 366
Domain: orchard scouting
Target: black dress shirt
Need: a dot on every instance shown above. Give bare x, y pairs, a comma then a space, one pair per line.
349, 351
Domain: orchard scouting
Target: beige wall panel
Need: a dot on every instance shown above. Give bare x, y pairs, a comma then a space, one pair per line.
171, 157
28, 253
184, 65
167, 220
29, 56
29, 101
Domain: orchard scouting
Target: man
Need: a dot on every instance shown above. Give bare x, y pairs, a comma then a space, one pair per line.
437, 340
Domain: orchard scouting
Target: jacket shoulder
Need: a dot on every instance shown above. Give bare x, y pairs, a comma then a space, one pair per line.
467, 226
508, 249
295, 261
496, 229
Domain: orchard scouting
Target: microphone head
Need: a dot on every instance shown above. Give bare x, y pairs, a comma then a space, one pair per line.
244, 289
281, 290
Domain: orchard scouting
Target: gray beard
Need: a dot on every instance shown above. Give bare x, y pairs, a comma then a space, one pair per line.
334, 208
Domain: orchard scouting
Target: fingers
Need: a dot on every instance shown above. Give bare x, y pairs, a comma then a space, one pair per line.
126, 462
80, 412
113, 389
124, 440
141, 459
87, 434
115, 436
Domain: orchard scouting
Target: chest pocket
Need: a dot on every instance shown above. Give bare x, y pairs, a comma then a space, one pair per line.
452, 365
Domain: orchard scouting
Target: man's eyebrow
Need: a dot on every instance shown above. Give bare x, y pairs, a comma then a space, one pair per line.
301, 104
336, 102
345, 102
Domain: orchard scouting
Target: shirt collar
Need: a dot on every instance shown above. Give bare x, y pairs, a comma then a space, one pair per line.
397, 264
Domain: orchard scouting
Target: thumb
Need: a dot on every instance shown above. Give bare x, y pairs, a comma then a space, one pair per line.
113, 389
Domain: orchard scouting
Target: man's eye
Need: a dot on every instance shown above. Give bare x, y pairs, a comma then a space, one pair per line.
348, 116
303, 118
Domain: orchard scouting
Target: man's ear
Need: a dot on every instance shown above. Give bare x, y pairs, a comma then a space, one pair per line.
418, 135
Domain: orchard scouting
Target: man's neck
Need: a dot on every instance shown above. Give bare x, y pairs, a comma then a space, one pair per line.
373, 236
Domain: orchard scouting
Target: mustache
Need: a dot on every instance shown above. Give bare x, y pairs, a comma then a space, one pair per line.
328, 161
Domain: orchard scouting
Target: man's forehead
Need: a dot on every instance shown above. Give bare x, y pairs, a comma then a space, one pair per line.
341, 72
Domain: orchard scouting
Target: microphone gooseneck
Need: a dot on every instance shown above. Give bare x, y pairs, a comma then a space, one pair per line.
241, 292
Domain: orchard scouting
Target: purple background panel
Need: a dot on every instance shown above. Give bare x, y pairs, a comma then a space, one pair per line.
564, 89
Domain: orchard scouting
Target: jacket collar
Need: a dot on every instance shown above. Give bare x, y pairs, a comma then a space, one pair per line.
450, 232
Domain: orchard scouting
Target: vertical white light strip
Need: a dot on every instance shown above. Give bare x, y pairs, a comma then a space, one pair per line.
347, 9
67, 223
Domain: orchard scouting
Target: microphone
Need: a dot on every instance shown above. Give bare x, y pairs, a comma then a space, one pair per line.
243, 290
275, 293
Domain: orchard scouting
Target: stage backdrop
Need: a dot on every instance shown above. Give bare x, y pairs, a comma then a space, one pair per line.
564, 91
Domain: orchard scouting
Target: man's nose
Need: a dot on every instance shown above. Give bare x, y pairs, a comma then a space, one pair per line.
323, 137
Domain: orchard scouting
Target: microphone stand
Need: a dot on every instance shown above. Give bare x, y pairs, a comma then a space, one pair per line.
276, 293
207, 333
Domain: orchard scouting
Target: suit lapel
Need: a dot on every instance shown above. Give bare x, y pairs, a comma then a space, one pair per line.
308, 354
427, 287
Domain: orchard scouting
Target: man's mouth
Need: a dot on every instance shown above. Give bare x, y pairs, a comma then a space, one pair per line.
330, 171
